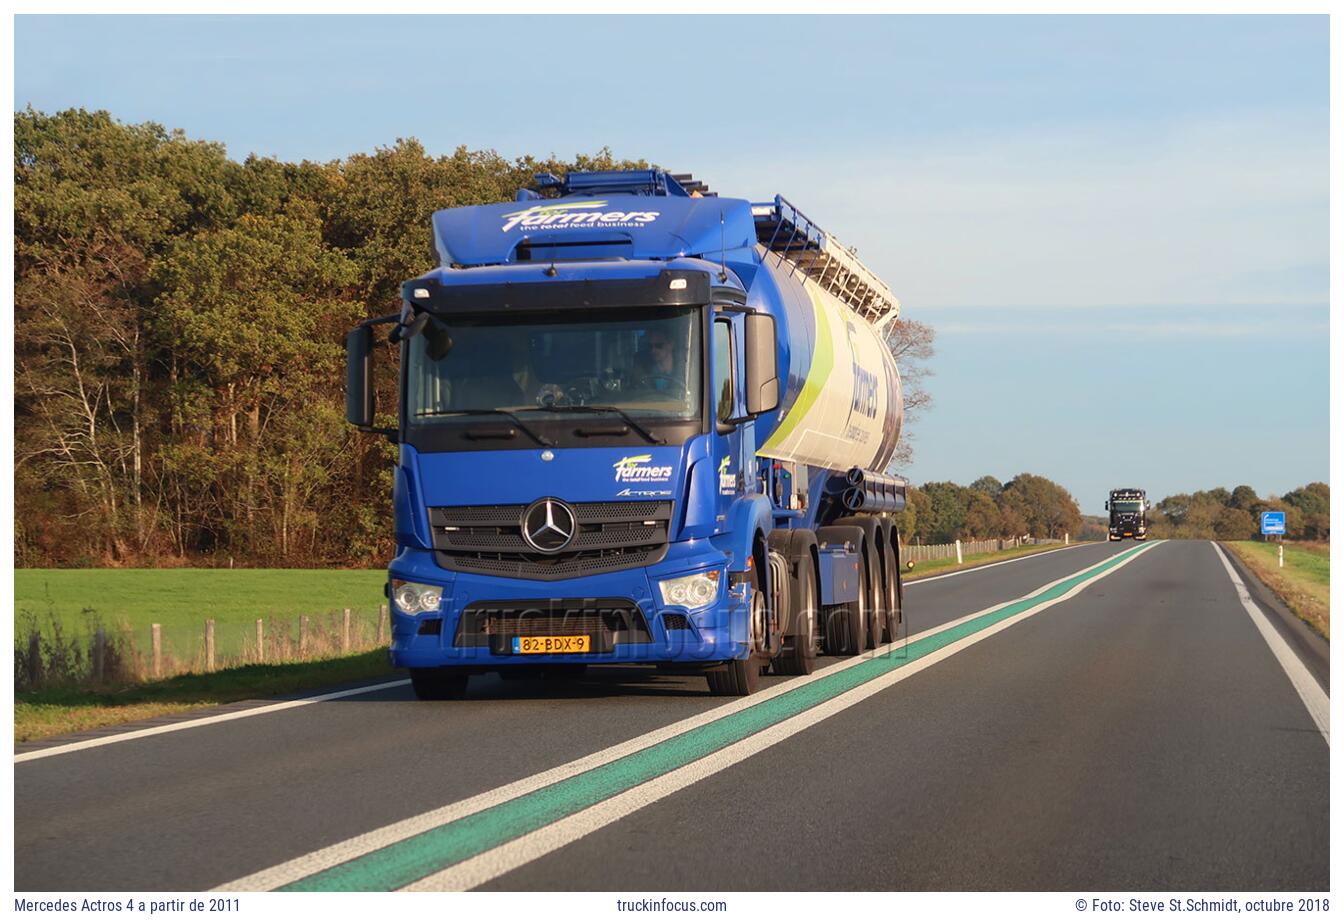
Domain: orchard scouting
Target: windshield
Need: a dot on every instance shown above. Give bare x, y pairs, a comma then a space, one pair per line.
646, 365
1127, 505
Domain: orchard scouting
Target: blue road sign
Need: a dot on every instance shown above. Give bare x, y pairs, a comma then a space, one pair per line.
1272, 522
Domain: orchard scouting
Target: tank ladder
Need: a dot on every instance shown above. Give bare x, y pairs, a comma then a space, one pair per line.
788, 233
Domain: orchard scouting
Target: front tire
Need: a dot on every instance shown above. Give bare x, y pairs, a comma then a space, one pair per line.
439, 683
742, 676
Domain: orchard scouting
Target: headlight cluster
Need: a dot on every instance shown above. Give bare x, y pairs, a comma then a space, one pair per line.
690, 591
412, 598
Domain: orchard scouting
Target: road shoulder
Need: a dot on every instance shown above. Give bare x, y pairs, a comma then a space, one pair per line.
1309, 646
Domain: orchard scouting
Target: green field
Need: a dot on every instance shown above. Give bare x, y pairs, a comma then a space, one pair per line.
1304, 581
180, 600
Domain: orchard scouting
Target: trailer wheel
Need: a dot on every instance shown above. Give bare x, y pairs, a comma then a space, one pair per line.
741, 676
801, 656
893, 621
877, 599
439, 683
847, 624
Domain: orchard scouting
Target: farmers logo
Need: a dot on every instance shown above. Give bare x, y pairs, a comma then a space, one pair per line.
638, 469
576, 214
727, 481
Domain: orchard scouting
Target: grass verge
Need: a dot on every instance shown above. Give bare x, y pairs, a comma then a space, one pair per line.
939, 566
43, 713
182, 599
1303, 584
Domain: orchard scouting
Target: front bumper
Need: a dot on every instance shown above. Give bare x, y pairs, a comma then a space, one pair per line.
671, 634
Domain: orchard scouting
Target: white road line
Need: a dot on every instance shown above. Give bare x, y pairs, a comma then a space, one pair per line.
1313, 697
980, 568
197, 723
327, 857
509, 856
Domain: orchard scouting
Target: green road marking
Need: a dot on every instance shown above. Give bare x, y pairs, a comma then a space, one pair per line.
409, 860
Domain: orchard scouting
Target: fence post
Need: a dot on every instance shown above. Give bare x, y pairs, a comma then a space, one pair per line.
261, 641
303, 636
1066, 538
345, 632
209, 645
35, 660
958, 552
156, 644
382, 620
99, 647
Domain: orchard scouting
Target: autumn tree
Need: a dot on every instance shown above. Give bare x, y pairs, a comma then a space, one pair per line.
178, 329
911, 344
1049, 509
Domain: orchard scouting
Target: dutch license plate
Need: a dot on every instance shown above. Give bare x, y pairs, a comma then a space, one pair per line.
551, 645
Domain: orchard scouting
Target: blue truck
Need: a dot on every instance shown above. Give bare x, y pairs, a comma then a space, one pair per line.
639, 423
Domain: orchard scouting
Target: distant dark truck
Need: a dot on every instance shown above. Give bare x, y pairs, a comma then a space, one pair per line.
1129, 517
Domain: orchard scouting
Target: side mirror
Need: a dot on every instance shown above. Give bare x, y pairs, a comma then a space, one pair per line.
359, 377
762, 369
1107, 506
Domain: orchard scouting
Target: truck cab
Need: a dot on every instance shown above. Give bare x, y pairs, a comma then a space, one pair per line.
1129, 514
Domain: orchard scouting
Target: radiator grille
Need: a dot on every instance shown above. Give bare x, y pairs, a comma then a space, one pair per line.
488, 540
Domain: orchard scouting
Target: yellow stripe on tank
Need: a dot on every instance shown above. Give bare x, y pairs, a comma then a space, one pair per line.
823, 359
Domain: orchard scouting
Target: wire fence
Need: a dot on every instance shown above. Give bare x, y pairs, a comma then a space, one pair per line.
55, 654
931, 551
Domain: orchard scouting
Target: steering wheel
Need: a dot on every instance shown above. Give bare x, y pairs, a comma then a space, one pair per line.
571, 391
673, 385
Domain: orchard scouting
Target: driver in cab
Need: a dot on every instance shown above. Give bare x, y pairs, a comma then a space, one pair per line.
660, 374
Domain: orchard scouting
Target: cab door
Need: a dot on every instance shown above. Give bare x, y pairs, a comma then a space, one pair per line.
730, 443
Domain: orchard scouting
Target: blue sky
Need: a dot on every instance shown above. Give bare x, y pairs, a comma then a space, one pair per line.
1117, 225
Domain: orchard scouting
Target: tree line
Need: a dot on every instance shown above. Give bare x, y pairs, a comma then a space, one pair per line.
941, 512
179, 320
1217, 514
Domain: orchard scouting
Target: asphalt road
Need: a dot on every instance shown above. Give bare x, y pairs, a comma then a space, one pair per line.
1129, 728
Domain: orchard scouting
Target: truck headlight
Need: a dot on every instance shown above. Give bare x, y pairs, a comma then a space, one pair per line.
690, 591
412, 598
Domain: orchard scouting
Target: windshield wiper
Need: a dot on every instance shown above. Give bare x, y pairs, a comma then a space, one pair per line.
544, 442
652, 438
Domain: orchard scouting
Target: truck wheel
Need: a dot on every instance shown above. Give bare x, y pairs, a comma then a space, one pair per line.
801, 656
741, 676
847, 624
439, 683
877, 600
893, 621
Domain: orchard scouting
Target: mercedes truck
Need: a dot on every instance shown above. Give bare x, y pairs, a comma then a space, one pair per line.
1129, 514
638, 423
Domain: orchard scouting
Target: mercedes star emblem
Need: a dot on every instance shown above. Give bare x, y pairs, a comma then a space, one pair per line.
549, 525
